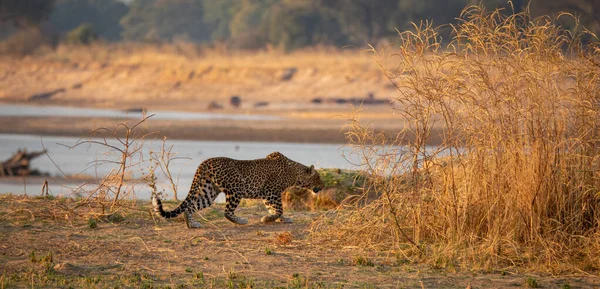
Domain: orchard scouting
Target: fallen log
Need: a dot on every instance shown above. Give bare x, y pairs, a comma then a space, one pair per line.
18, 163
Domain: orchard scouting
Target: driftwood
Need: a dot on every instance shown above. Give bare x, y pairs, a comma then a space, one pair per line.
18, 164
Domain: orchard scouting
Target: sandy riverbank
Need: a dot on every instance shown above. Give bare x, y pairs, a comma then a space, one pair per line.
284, 130
307, 89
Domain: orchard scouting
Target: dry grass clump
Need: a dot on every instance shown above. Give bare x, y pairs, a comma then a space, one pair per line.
305, 200
284, 238
297, 199
341, 186
516, 180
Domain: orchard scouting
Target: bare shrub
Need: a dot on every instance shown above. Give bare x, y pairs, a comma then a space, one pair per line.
515, 178
124, 146
163, 160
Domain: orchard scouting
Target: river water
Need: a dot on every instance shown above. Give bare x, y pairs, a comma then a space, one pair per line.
96, 160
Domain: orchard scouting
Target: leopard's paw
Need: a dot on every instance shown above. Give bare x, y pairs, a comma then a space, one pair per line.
236, 219
268, 218
284, 219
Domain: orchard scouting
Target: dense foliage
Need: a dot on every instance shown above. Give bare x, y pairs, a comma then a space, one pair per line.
22, 12
254, 24
103, 15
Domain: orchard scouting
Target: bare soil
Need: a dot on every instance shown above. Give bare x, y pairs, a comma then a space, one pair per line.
41, 248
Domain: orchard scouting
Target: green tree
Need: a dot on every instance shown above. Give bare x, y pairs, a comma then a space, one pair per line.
103, 15
365, 21
292, 25
440, 12
162, 20
25, 12
248, 25
218, 16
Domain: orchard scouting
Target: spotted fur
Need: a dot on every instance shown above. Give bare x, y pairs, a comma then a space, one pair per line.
265, 179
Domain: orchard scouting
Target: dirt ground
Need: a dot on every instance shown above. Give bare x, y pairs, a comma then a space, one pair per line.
40, 248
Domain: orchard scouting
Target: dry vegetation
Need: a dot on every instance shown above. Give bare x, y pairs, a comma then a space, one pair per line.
184, 77
515, 183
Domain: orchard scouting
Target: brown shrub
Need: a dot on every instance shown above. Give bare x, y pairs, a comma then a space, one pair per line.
284, 238
23, 42
298, 199
514, 181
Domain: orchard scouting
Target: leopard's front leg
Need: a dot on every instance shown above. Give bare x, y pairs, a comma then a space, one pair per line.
275, 208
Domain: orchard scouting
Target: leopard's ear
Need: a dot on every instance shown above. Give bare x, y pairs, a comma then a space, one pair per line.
311, 169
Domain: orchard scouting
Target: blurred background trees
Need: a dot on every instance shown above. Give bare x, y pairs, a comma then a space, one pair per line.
102, 15
164, 20
256, 24
24, 12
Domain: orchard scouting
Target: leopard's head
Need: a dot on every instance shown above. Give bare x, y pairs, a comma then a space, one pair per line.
309, 178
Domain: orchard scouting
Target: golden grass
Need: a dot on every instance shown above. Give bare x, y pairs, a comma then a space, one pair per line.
304, 200
515, 182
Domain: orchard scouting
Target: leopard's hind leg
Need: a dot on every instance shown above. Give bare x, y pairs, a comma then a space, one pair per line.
205, 195
189, 220
233, 201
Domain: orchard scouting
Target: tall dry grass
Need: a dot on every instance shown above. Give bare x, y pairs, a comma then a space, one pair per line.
516, 181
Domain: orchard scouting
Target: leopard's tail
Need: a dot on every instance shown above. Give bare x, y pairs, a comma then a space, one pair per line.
201, 195
158, 208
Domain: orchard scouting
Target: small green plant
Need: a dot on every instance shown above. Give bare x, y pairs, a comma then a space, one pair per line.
92, 280
298, 281
565, 286
200, 277
48, 259
363, 261
188, 269
232, 275
115, 218
246, 283
531, 282
400, 260
268, 251
92, 223
32, 257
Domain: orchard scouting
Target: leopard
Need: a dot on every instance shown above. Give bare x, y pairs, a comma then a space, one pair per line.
265, 178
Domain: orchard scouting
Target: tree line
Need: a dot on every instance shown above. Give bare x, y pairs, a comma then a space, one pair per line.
254, 24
